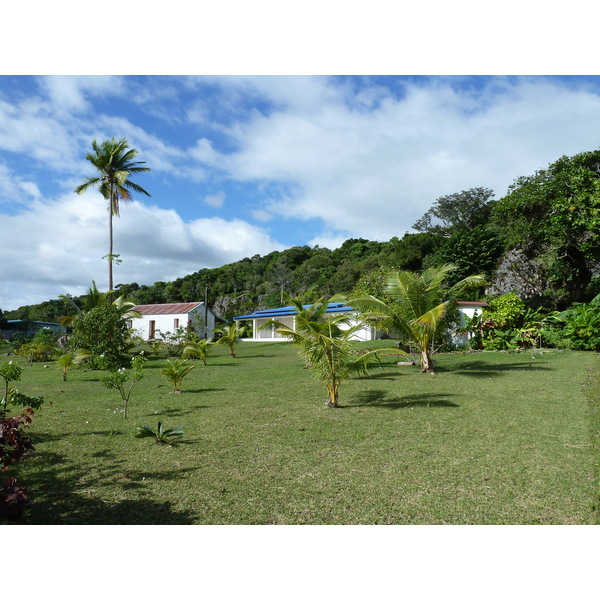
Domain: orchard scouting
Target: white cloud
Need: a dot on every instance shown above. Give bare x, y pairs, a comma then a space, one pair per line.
56, 247
373, 172
14, 188
67, 92
216, 200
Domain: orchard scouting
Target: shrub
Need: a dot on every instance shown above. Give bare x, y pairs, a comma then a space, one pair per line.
160, 436
13, 446
104, 332
175, 371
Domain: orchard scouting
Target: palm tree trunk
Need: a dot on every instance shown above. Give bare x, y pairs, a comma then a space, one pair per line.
110, 244
427, 365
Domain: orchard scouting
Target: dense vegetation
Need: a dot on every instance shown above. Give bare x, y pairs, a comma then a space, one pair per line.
541, 241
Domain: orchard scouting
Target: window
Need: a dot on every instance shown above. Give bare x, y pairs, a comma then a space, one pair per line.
176, 323
152, 332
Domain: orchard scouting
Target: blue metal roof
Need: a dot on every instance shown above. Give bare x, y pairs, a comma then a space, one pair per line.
286, 311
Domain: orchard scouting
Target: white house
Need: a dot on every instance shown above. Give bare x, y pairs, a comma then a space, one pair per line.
470, 310
166, 318
286, 316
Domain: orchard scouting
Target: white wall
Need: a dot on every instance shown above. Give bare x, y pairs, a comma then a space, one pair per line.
168, 324
462, 339
367, 333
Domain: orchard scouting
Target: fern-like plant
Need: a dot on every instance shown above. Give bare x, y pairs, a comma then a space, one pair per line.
160, 436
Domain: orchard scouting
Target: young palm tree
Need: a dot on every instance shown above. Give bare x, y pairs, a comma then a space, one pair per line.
115, 163
231, 335
197, 350
421, 304
324, 344
175, 371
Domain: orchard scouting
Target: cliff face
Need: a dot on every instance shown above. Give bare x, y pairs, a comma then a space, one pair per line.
519, 274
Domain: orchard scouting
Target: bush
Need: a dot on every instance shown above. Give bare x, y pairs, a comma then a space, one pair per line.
104, 332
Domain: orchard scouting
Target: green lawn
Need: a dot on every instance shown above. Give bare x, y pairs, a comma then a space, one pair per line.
491, 439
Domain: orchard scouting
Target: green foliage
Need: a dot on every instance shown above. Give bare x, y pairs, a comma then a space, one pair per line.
555, 215
473, 251
461, 211
104, 332
324, 341
173, 342
581, 325
35, 351
161, 435
123, 379
505, 312
230, 335
10, 372
420, 309
197, 350
175, 371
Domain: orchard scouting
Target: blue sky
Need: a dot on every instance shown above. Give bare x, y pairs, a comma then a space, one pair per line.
245, 165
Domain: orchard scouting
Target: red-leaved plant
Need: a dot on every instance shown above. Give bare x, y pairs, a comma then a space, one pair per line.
13, 446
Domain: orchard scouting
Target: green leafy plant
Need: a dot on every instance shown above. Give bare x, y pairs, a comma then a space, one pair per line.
420, 309
9, 371
160, 436
230, 335
175, 371
123, 379
197, 350
324, 341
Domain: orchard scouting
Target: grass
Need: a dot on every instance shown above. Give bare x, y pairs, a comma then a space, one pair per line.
490, 439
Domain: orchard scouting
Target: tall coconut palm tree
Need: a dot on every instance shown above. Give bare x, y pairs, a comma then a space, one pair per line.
420, 306
115, 163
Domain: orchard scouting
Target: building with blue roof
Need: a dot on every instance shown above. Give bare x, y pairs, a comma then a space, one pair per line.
286, 315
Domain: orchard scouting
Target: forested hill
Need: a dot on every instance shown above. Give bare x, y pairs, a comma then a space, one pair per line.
541, 240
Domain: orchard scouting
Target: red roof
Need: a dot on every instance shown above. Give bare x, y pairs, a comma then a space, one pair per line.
167, 309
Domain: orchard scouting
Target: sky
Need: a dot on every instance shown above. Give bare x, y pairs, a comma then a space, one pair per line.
245, 165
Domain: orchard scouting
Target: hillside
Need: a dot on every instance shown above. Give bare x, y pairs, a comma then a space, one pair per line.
541, 240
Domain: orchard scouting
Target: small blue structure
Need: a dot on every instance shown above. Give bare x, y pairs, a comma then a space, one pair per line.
15, 326
287, 316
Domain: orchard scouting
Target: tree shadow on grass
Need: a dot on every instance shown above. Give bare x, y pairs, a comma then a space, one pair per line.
64, 492
379, 398
479, 368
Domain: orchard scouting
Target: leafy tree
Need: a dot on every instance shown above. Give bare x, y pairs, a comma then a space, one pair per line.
325, 345
115, 163
419, 308
554, 215
118, 379
104, 332
462, 210
473, 251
